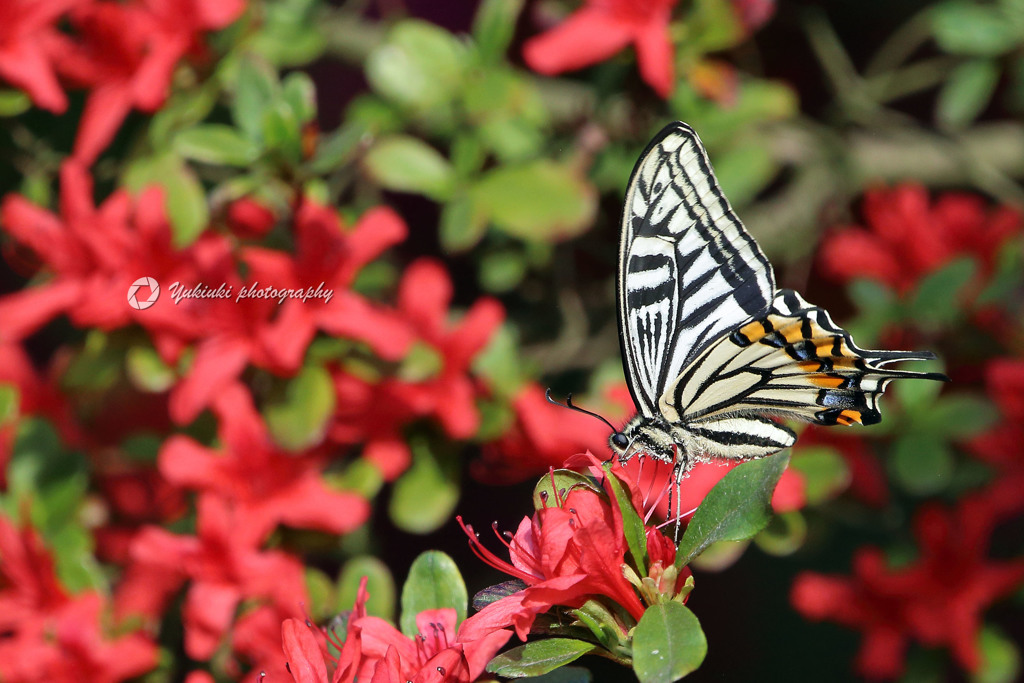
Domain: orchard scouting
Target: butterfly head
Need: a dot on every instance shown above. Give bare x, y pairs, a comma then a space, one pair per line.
644, 436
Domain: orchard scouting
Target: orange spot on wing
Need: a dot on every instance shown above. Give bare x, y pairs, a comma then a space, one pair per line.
754, 331
848, 417
826, 381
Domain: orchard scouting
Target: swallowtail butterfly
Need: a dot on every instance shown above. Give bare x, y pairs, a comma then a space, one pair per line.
710, 347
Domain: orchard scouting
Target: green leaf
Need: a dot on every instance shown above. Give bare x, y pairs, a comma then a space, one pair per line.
958, 416
917, 397
540, 200
745, 170
147, 371
434, 583
538, 657
299, 92
922, 463
462, 225
419, 65
1000, 657
494, 26
565, 674
407, 164
184, 198
379, 584
784, 535
735, 509
632, 524
14, 102
214, 143
9, 402
492, 594
824, 471
937, 298
283, 132
256, 87
552, 488
424, 496
502, 271
668, 643
967, 92
299, 420
967, 28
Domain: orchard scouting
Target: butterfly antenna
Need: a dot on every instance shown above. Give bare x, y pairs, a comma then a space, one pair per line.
569, 404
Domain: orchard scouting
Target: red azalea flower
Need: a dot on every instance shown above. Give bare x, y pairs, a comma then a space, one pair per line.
1003, 444
938, 600
374, 650
249, 219
45, 634
908, 236
329, 257
424, 295
375, 413
94, 255
224, 569
126, 56
266, 485
568, 553
600, 29
542, 435
28, 38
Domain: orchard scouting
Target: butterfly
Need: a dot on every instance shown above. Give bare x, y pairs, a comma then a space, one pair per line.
711, 349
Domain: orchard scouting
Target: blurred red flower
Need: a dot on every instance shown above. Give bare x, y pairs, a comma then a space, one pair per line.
937, 600
543, 434
249, 219
265, 484
572, 550
28, 40
436, 380
908, 235
94, 254
224, 568
46, 634
375, 650
125, 55
1003, 445
600, 29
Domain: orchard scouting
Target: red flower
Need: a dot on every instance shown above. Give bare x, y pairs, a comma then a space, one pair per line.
1003, 444
224, 569
126, 56
375, 413
266, 485
249, 219
330, 257
541, 437
569, 552
600, 29
45, 634
94, 255
938, 600
27, 42
374, 650
909, 236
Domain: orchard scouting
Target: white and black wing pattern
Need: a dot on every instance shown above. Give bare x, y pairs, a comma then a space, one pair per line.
688, 270
792, 362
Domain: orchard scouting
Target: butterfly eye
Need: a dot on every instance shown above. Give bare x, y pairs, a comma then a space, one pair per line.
619, 440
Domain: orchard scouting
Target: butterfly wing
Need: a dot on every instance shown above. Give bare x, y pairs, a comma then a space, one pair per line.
793, 362
688, 270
